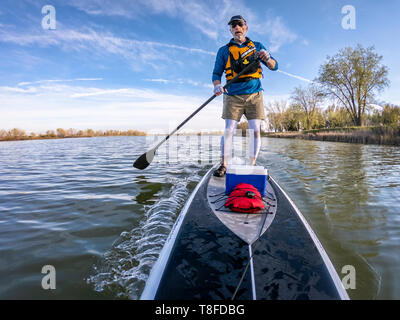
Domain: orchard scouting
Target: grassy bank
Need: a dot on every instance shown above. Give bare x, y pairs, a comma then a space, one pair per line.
384, 135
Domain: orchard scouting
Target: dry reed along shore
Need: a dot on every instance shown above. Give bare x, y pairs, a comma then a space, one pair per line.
384, 135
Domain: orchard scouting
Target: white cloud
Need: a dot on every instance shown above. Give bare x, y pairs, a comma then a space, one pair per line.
181, 81
57, 80
138, 53
121, 8
165, 81
197, 14
172, 46
42, 106
18, 90
279, 34
207, 17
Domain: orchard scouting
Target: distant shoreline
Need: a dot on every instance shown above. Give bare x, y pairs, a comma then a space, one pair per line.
381, 135
55, 138
133, 133
20, 135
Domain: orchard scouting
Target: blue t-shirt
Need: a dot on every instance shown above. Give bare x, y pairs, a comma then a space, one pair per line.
246, 87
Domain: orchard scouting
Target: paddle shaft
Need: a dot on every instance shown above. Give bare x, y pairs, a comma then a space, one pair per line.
186, 120
207, 102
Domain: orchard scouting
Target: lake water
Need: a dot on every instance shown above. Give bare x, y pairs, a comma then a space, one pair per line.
80, 206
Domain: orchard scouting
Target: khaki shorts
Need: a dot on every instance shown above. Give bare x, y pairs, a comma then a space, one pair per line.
251, 105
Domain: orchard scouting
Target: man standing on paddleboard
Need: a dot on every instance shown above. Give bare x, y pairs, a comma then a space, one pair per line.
245, 95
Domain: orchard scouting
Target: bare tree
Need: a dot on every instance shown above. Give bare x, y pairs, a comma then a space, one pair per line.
275, 113
308, 99
352, 76
61, 133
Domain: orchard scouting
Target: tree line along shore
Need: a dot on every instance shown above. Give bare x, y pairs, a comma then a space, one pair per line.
19, 134
334, 124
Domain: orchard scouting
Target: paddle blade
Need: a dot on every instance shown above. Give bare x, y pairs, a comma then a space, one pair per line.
144, 160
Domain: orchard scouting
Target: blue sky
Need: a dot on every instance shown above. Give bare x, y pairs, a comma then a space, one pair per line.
146, 64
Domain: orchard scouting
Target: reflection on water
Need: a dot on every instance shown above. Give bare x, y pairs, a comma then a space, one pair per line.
148, 190
348, 193
79, 205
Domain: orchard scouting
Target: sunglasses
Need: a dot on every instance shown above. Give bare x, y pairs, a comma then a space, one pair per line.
237, 23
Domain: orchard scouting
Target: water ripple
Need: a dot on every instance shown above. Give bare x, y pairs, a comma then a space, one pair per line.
127, 265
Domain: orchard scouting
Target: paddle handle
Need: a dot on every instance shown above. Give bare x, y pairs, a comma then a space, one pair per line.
207, 102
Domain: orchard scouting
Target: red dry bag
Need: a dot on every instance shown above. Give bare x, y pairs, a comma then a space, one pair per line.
244, 198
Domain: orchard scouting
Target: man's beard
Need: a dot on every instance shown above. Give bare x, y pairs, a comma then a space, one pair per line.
240, 37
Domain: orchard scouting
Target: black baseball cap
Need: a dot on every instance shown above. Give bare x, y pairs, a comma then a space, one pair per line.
236, 18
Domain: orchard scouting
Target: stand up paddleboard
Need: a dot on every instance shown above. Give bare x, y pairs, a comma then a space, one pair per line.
213, 253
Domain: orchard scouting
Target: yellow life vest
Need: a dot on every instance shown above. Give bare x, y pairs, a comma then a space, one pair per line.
239, 58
